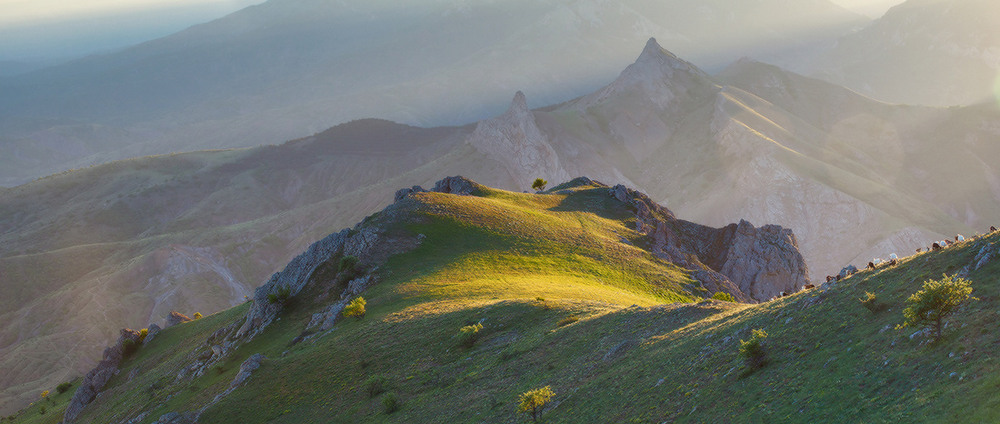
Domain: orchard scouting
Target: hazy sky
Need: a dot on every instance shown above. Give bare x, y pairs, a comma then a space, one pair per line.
871, 8
43, 29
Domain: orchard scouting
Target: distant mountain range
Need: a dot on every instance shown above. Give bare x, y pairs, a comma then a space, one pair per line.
929, 52
289, 68
121, 244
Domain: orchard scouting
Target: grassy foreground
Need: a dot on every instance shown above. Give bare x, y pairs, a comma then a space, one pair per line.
619, 335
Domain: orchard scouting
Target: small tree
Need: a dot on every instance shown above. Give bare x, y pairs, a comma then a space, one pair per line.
281, 296
870, 301
197, 315
45, 395
63, 387
356, 308
534, 401
753, 351
539, 184
723, 296
937, 300
469, 334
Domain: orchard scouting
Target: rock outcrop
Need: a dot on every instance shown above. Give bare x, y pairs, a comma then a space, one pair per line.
740, 259
175, 318
97, 378
515, 140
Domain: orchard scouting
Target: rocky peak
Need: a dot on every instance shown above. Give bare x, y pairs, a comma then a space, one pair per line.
515, 140
740, 259
656, 74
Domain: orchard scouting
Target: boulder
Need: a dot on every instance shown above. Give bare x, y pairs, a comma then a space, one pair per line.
152, 331
456, 185
175, 318
405, 192
847, 271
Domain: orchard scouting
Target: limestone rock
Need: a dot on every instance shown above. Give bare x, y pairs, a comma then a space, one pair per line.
515, 140
152, 331
404, 192
847, 271
97, 378
456, 185
759, 262
176, 318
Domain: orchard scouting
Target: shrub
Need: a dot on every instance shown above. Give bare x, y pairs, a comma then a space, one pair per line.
723, 296
567, 321
534, 401
142, 334
281, 296
539, 184
356, 308
348, 263
41, 409
376, 385
63, 387
753, 351
870, 301
45, 394
937, 300
469, 334
198, 315
390, 403
129, 347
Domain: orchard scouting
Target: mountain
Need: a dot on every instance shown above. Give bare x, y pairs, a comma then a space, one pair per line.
476, 295
929, 52
287, 68
127, 242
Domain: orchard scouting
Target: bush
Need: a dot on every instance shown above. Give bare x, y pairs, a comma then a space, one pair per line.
469, 334
281, 296
534, 401
376, 385
129, 347
539, 184
723, 296
567, 321
63, 387
356, 308
198, 315
390, 403
870, 301
348, 263
41, 409
753, 351
937, 300
142, 334
45, 394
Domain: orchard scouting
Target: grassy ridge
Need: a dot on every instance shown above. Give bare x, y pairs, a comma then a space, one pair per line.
565, 303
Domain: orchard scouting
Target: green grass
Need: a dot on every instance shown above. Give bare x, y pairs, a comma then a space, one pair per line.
522, 265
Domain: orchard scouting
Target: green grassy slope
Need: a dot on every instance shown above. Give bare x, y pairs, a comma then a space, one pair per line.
521, 265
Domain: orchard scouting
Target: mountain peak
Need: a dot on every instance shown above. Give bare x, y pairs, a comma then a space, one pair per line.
520, 102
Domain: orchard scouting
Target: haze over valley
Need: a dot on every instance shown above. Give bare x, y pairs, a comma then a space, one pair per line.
759, 147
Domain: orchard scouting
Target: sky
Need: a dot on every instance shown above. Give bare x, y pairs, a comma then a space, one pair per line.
870, 8
50, 30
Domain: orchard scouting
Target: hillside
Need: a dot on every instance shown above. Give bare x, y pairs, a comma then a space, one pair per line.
125, 243
569, 296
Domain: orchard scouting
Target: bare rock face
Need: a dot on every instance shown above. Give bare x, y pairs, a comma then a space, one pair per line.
97, 378
176, 318
293, 278
515, 140
740, 259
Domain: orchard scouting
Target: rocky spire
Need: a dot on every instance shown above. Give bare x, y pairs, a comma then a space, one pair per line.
515, 140
657, 74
